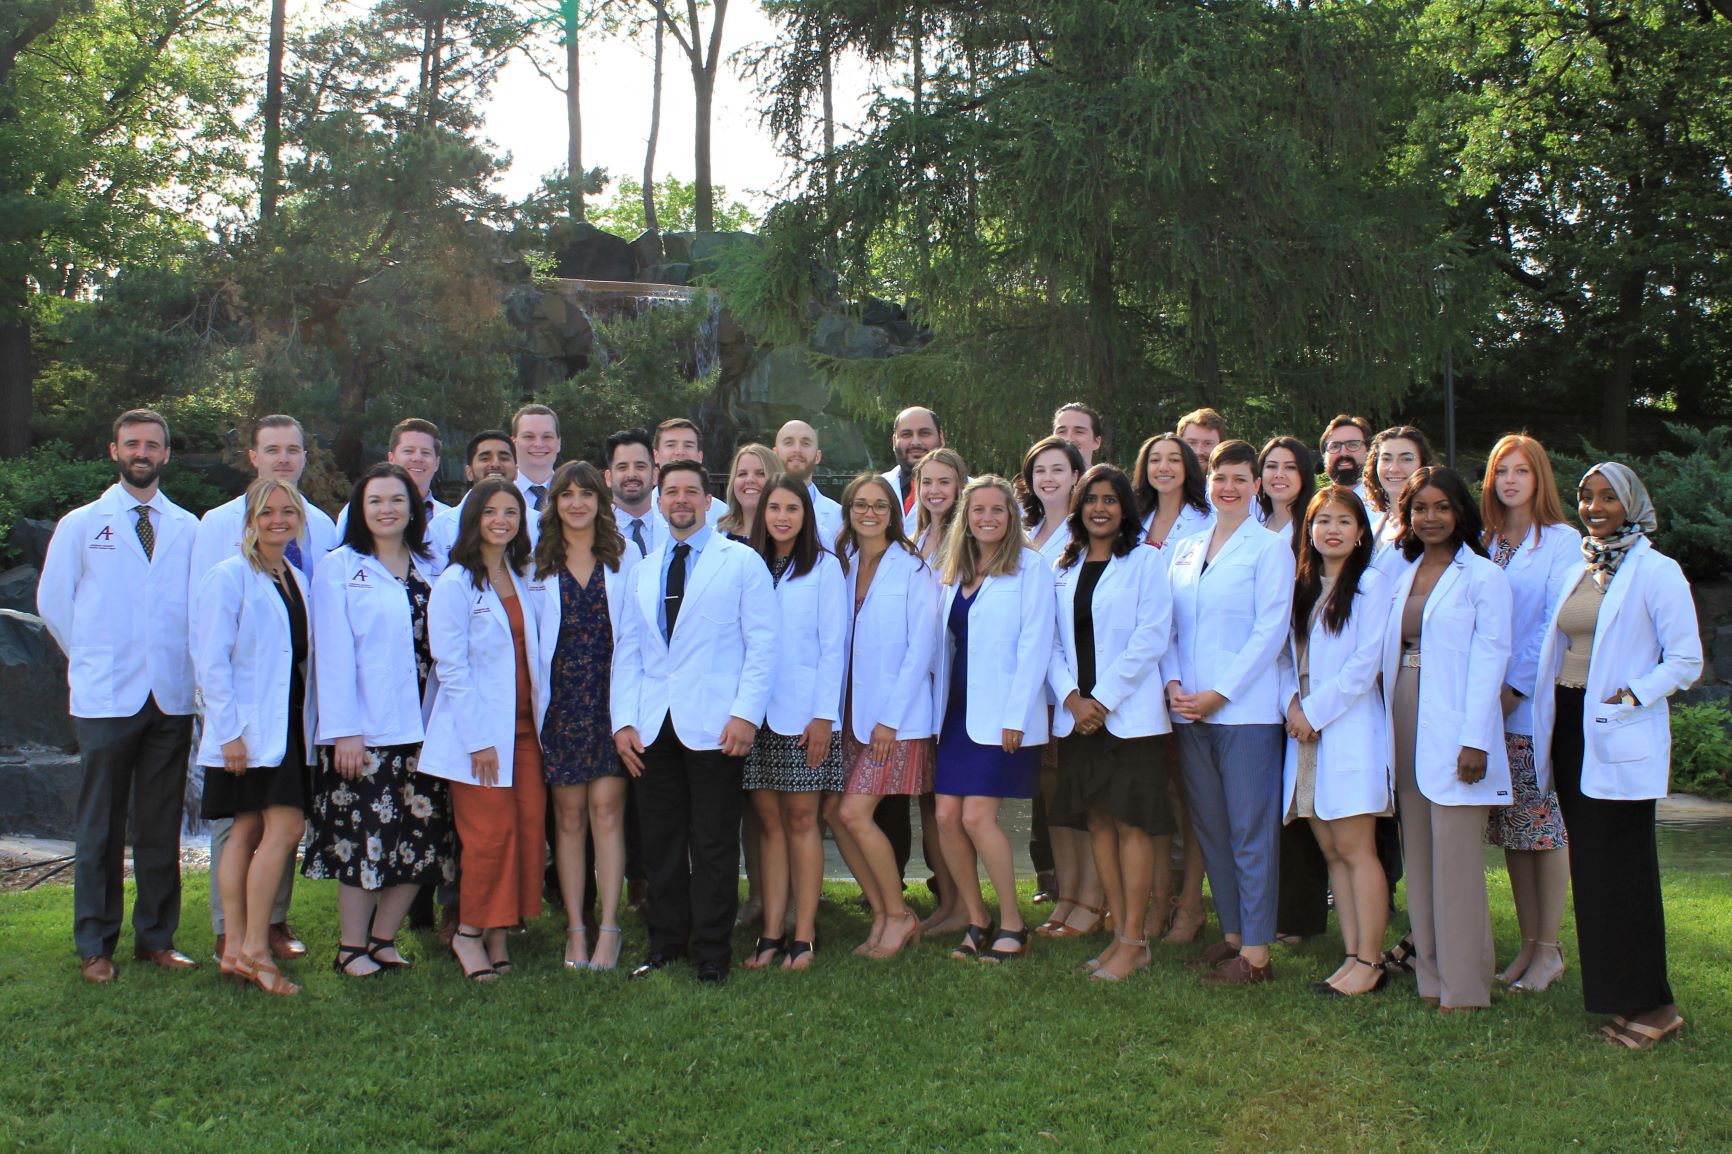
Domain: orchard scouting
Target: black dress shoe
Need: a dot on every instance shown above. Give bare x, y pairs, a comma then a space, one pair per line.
651, 964
712, 973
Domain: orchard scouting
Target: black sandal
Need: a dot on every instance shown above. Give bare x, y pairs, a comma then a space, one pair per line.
1401, 957
485, 973
348, 955
771, 946
996, 955
796, 951
374, 945
973, 938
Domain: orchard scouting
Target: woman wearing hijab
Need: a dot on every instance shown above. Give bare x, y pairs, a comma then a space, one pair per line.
1621, 641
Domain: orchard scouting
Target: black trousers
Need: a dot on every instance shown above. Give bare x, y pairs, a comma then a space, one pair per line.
688, 813
1039, 839
1615, 875
1302, 896
892, 817
1387, 835
141, 759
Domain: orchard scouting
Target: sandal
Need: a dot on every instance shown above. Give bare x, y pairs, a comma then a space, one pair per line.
973, 938
485, 973
1377, 983
996, 955
569, 964
1636, 1036
1186, 924
229, 966
606, 930
1052, 924
797, 950
771, 946
1537, 986
375, 945
265, 975
1066, 930
1102, 974
1401, 957
348, 955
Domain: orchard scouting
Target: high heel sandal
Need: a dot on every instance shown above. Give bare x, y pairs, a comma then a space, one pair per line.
912, 938
1185, 926
1401, 957
376, 945
771, 946
973, 938
265, 975
593, 964
347, 955
995, 955
1324, 987
1102, 974
1103, 921
1522, 982
485, 973
1054, 923
1377, 983
569, 964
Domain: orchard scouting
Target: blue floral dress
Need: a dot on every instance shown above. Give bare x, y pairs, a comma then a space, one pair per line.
577, 735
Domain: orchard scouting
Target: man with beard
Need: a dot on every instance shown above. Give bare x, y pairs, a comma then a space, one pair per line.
1202, 429
797, 449
490, 454
114, 595
915, 433
693, 666
1345, 444
631, 478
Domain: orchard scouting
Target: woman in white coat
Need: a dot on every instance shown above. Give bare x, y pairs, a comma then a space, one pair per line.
887, 699
252, 656
581, 563
1445, 649
1394, 455
380, 830
1336, 775
994, 647
796, 757
938, 481
1114, 620
1622, 641
1232, 602
482, 735
1526, 536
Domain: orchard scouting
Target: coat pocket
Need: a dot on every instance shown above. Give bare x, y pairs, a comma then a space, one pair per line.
1624, 733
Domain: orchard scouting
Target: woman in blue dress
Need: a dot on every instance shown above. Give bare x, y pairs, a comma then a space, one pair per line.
996, 618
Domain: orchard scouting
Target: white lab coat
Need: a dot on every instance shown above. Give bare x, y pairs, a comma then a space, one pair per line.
219, 538
721, 659
910, 519
814, 649
1230, 622
365, 636
438, 507
1345, 706
1010, 625
120, 617
1646, 641
1133, 623
891, 645
1188, 523
1053, 548
476, 706
244, 654
546, 592
1537, 573
1464, 645
828, 515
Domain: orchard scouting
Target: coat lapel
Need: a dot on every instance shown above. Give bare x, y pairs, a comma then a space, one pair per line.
1457, 571
1622, 580
709, 563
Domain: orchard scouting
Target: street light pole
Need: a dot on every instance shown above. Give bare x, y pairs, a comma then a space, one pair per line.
1443, 271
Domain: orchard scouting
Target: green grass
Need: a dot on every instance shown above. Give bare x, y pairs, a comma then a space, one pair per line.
916, 1053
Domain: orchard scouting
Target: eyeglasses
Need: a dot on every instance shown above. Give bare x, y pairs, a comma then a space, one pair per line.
1344, 446
882, 508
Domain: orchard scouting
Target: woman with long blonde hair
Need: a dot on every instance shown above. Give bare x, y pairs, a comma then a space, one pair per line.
938, 479
754, 467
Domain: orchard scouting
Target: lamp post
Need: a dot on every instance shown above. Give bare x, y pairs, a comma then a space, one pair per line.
1442, 285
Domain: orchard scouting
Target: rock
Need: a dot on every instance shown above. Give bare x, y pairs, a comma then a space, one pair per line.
41, 794
839, 335
677, 247
30, 537
881, 312
588, 253
1720, 653
18, 588
708, 247
32, 684
784, 378
669, 272
520, 303
647, 247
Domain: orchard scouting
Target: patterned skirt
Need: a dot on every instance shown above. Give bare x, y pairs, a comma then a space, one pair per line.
1532, 821
388, 827
906, 772
778, 762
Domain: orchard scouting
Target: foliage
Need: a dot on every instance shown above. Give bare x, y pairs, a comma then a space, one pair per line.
676, 209
46, 482
1702, 749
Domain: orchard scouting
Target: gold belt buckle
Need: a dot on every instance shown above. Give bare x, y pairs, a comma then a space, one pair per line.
1410, 660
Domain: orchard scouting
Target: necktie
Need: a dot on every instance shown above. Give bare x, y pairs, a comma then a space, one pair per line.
539, 492
293, 552
146, 535
676, 585
637, 536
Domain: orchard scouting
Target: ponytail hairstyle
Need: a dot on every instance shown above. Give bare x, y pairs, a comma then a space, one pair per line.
1308, 584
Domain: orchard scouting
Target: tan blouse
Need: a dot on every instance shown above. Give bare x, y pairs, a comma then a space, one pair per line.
1576, 619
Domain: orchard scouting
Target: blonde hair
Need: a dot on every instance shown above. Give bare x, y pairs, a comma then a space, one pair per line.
951, 460
257, 494
734, 520
962, 562
1547, 508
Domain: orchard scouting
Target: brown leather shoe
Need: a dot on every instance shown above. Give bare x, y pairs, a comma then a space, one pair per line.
284, 944
1236, 971
1213, 956
99, 969
168, 958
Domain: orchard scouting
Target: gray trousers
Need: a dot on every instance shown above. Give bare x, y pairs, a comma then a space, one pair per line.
1447, 904
219, 840
1233, 786
141, 759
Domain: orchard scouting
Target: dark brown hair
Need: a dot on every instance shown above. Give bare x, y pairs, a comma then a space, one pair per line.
1469, 530
466, 553
807, 547
1130, 534
358, 537
1381, 499
1308, 582
609, 546
1307, 484
1032, 510
1196, 489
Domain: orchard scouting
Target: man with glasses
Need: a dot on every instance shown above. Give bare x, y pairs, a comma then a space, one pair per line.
1345, 444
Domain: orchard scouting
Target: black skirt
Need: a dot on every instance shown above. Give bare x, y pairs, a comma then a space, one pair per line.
1124, 777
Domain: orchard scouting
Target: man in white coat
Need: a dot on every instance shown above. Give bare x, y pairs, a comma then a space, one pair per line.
693, 666
678, 439
114, 595
915, 434
1345, 444
631, 477
535, 439
279, 449
414, 448
797, 449
490, 453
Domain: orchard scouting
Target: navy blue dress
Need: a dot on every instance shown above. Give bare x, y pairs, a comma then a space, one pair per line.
577, 737
965, 767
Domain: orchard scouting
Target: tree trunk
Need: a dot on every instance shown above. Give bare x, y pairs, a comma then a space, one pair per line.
573, 114
703, 90
655, 127
1615, 395
273, 112
15, 381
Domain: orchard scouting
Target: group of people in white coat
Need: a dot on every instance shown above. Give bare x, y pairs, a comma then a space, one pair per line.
1211, 644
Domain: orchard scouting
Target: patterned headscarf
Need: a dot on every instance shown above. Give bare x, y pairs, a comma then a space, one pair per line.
1605, 554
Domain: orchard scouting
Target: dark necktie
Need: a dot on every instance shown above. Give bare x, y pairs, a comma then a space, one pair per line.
293, 552
637, 537
539, 492
146, 535
676, 585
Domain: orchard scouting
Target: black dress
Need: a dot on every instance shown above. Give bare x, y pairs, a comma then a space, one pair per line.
260, 787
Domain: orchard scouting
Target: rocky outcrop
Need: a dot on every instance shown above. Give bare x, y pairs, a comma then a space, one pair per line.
32, 685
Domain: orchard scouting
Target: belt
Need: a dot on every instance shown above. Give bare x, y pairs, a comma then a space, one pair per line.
1410, 659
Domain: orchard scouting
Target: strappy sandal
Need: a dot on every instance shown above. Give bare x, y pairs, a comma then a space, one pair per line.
771, 946
1325, 988
592, 962
996, 955
348, 955
265, 975
1066, 930
375, 945
1184, 926
973, 938
1535, 987
1102, 974
569, 964
1377, 983
1401, 957
797, 950
485, 973
1052, 924
1634, 1035
229, 966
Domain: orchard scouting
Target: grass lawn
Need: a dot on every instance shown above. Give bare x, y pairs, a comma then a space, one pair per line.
915, 1053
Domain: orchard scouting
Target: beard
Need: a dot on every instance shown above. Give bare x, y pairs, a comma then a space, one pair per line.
140, 473
1346, 472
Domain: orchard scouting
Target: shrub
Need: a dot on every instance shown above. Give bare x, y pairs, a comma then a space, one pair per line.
46, 482
1702, 749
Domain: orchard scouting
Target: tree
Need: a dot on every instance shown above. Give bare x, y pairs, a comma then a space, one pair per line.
703, 53
677, 209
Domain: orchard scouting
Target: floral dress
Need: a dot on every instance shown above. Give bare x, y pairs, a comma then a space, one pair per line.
1532, 821
391, 826
577, 734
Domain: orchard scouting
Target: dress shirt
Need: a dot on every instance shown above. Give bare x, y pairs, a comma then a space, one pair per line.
696, 542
